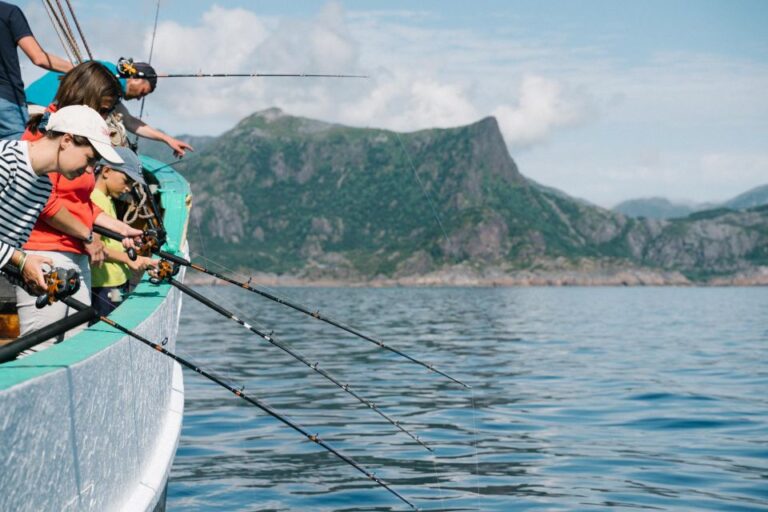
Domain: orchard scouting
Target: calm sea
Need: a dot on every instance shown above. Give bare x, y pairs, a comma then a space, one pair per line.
582, 399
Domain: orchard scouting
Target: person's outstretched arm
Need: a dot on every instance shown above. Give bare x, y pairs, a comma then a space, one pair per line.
40, 57
142, 129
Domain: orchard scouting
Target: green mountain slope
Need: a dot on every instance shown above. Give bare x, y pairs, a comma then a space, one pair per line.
284, 194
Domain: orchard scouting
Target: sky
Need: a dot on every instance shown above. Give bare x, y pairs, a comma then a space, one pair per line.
606, 100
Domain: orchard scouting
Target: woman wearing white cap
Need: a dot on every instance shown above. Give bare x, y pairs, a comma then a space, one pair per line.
73, 143
64, 250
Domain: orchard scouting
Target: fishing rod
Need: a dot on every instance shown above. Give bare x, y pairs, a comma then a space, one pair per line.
315, 438
165, 273
252, 75
314, 314
154, 246
127, 69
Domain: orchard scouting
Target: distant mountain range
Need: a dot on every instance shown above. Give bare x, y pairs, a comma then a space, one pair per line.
294, 196
661, 208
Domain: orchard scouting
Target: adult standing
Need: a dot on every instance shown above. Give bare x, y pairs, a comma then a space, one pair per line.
15, 32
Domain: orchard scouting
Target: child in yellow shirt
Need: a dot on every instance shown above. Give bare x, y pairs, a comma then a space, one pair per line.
110, 279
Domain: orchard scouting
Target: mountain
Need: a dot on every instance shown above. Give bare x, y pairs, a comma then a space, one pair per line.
757, 196
654, 208
290, 195
660, 208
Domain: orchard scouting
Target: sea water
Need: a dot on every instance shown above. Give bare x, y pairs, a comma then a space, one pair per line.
581, 399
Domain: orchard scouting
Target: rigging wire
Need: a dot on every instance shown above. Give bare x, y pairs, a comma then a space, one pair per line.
79, 30
63, 26
154, 33
58, 32
149, 61
69, 31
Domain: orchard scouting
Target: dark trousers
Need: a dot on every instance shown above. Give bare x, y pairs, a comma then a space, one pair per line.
101, 302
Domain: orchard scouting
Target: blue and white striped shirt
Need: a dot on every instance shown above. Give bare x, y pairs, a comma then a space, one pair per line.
23, 195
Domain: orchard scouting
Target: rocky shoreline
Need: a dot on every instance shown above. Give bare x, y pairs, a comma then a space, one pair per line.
462, 276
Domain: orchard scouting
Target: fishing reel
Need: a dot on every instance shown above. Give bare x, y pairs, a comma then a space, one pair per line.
60, 283
126, 68
151, 241
165, 271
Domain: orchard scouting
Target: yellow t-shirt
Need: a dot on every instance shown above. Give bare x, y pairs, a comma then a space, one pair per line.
108, 274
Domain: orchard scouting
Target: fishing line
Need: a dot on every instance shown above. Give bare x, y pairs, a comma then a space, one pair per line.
436, 476
424, 191
314, 313
477, 456
167, 270
433, 458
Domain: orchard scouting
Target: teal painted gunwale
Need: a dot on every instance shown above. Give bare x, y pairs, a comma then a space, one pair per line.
174, 192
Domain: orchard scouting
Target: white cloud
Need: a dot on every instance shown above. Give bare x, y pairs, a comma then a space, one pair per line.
669, 124
542, 108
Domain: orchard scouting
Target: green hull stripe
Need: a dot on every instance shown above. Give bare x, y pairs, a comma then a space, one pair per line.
174, 190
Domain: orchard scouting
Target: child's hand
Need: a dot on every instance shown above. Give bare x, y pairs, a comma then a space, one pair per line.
143, 263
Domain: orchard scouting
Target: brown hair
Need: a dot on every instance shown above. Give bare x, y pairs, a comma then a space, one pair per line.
89, 83
78, 140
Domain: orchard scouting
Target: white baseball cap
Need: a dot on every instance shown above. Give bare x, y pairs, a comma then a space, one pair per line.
86, 122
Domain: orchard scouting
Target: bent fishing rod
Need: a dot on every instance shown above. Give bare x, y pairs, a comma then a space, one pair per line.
314, 314
155, 248
315, 438
165, 274
166, 271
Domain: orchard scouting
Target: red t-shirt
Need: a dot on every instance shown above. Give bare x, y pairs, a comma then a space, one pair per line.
75, 195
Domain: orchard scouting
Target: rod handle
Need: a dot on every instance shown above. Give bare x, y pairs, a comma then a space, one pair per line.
132, 255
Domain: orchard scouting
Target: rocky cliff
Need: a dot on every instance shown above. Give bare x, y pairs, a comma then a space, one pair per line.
289, 195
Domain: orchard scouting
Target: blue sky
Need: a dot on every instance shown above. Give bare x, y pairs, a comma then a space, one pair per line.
606, 100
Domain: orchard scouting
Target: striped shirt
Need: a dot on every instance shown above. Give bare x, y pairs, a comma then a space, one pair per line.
22, 196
